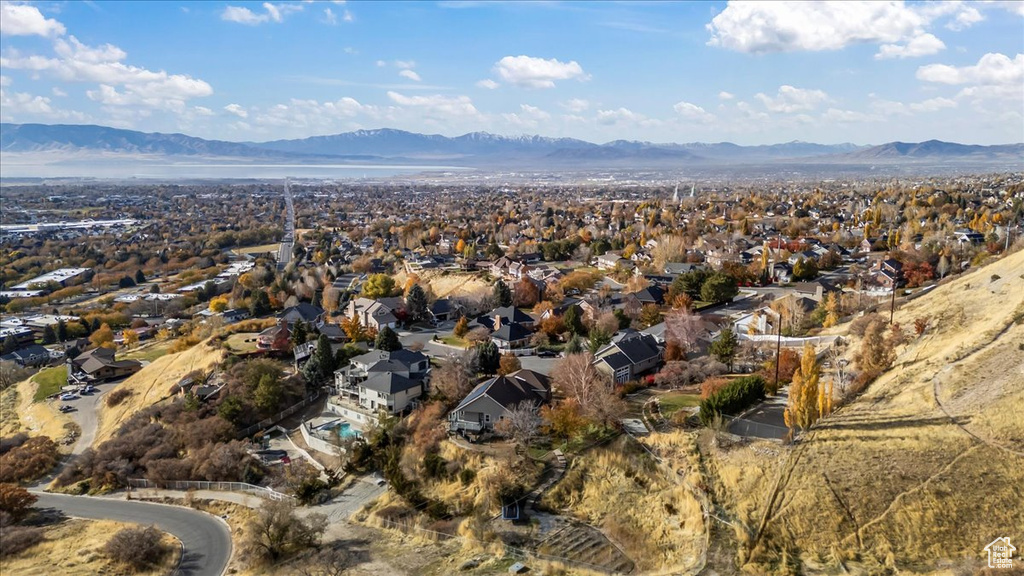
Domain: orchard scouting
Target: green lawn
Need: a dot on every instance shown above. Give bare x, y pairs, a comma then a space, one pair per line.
675, 401
149, 353
455, 341
50, 381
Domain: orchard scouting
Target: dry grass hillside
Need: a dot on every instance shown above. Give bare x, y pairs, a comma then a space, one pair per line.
153, 383
927, 466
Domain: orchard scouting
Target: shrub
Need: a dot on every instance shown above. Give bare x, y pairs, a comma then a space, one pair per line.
28, 461
15, 501
733, 398
138, 548
117, 396
16, 539
712, 386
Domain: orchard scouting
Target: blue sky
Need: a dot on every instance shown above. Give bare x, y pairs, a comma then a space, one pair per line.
750, 73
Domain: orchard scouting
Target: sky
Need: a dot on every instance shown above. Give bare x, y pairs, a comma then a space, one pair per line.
745, 72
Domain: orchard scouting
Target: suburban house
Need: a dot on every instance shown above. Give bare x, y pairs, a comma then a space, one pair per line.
610, 261
511, 336
33, 355
302, 311
505, 315
508, 268
275, 339
100, 365
492, 400
380, 380
375, 314
631, 355
445, 309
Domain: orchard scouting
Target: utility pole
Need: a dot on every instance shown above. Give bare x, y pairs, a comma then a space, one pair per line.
778, 351
892, 305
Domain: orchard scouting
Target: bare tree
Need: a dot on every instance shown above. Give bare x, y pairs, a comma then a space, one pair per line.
331, 561
276, 531
684, 328
453, 379
11, 373
579, 380
521, 424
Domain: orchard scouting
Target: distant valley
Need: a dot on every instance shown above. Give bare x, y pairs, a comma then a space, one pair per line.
48, 144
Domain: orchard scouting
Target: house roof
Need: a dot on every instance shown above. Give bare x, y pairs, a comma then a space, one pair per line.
509, 390
302, 311
511, 332
389, 383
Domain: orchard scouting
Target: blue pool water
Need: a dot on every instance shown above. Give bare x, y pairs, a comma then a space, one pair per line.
345, 430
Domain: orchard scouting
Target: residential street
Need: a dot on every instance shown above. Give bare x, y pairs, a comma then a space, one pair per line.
205, 538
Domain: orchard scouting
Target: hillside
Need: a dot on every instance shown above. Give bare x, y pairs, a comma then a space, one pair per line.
936, 150
916, 473
153, 383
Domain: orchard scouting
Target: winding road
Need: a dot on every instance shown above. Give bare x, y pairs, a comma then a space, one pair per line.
205, 539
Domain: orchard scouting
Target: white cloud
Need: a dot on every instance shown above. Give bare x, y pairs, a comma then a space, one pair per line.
487, 83
576, 105
847, 116
922, 45
77, 62
237, 110
790, 99
26, 20
437, 106
58, 92
202, 111
527, 117
965, 18
348, 17
411, 75
900, 28
330, 17
405, 64
933, 105
723, 95
992, 69
272, 13
19, 106
749, 113
4, 81
624, 116
530, 72
243, 15
381, 63
691, 111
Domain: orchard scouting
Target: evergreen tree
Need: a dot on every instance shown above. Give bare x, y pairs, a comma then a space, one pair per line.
260, 304
574, 345
139, 277
416, 303
502, 293
62, 331
49, 336
573, 321
719, 287
724, 347
94, 326
387, 340
488, 357
10, 345
299, 333
86, 326
321, 365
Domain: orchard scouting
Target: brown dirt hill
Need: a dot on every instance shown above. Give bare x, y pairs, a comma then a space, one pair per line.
927, 466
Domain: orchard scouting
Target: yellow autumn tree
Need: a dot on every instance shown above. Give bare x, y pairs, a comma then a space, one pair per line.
130, 338
831, 310
802, 407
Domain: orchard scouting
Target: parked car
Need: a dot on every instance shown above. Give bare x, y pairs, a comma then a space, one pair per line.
89, 389
547, 354
68, 396
66, 408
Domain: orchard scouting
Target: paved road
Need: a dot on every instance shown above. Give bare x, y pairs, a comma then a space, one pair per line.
205, 538
284, 255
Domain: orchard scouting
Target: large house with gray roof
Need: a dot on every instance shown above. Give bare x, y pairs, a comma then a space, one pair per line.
629, 356
381, 380
491, 401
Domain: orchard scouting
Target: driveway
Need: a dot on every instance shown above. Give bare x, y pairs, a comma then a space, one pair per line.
765, 420
206, 539
361, 492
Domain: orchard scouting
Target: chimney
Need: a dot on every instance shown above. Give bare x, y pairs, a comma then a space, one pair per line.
497, 321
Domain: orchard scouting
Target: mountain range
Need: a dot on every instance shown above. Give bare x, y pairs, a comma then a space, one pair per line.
478, 149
